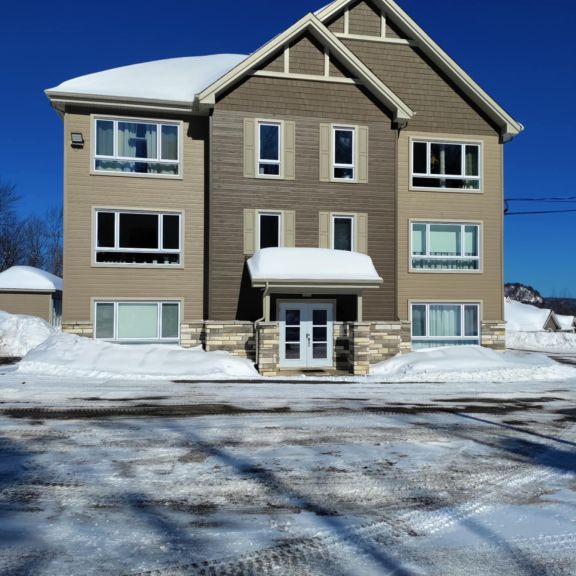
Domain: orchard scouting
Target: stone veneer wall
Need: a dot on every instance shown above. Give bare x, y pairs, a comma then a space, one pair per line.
360, 340
238, 338
85, 329
494, 335
268, 348
341, 346
192, 334
389, 339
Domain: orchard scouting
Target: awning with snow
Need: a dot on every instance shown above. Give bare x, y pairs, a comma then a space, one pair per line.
28, 279
307, 267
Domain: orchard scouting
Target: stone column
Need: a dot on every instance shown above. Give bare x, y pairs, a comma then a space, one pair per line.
192, 334
268, 348
360, 348
406, 336
494, 335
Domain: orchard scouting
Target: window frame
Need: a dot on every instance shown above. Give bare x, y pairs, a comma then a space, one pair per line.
280, 215
463, 224
118, 249
454, 141
159, 305
279, 162
136, 120
458, 339
352, 218
334, 165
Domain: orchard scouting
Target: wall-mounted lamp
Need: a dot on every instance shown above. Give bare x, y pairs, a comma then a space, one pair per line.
77, 140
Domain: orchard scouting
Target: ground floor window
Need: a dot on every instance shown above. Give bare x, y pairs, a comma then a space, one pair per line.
435, 325
138, 321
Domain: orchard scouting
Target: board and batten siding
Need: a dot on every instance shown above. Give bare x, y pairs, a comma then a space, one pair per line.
28, 303
307, 104
84, 191
486, 208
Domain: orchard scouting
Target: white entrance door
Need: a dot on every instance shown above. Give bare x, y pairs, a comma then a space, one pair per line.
306, 338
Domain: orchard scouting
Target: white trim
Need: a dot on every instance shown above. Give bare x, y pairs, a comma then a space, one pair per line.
311, 77
287, 59
347, 21
379, 39
335, 165
327, 62
159, 305
382, 26
279, 214
280, 125
352, 218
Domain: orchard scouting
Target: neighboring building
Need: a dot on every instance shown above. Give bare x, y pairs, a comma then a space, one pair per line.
30, 291
352, 131
522, 317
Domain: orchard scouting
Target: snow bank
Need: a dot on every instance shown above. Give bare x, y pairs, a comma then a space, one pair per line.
524, 317
302, 264
28, 278
20, 334
470, 364
69, 355
542, 341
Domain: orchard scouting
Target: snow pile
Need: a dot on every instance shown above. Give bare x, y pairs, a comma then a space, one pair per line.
302, 264
174, 80
28, 278
20, 334
524, 317
470, 364
556, 342
70, 355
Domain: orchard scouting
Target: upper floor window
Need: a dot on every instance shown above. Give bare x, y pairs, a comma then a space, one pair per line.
446, 165
132, 238
440, 246
269, 230
143, 147
269, 149
344, 161
343, 233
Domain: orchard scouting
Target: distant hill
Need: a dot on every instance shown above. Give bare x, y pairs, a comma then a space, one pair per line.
528, 295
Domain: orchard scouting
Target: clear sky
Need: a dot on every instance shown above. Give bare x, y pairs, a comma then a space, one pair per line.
522, 52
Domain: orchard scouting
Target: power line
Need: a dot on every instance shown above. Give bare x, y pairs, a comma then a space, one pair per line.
557, 199
539, 212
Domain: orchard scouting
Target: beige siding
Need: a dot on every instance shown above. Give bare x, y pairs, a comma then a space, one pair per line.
438, 105
336, 26
393, 32
487, 207
307, 57
275, 64
27, 303
365, 20
83, 191
308, 104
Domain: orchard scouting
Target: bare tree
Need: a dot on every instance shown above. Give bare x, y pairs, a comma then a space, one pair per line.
54, 233
10, 227
35, 242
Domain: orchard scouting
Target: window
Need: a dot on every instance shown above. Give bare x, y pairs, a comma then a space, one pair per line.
269, 230
269, 149
138, 321
435, 325
123, 146
137, 238
445, 165
344, 154
445, 246
343, 233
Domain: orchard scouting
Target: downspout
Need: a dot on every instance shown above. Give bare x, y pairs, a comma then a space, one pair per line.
259, 321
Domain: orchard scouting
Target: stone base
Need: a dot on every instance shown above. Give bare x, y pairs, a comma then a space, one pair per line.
494, 335
85, 329
268, 348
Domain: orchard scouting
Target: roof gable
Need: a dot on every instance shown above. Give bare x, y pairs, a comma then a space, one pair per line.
508, 126
345, 57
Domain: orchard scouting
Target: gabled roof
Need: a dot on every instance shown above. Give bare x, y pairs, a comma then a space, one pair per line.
311, 24
508, 125
28, 279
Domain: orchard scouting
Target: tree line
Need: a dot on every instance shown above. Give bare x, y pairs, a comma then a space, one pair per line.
33, 241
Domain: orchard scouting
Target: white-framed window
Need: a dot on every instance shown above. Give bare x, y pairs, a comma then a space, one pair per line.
344, 159
446, 165
444, 324
343, 232
143, 147
137, 238
138, 321
270, 230
269, 149
445, 246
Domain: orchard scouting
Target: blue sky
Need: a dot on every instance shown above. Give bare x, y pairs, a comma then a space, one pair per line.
522, 52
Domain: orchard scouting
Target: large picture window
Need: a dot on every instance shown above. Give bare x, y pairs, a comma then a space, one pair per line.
436, 325
138, 238
446, 165
138, 321
269, 149
439, 246
344, 165
124, 146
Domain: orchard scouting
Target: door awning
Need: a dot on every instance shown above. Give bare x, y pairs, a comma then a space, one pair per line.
309, 267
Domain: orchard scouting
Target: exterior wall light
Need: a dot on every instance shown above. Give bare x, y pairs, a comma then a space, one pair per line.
77, 140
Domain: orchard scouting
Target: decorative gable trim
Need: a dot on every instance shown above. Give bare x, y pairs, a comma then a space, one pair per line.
509, 127
400, 110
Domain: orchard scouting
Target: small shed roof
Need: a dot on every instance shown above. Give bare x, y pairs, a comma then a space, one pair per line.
26, 278
527, 318
312, 266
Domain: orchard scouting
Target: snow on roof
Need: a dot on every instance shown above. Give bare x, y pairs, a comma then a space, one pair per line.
28, 278
174, 80
525, 318
566, 322
310, 265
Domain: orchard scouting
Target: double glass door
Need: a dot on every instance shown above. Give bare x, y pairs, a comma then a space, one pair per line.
306, 338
